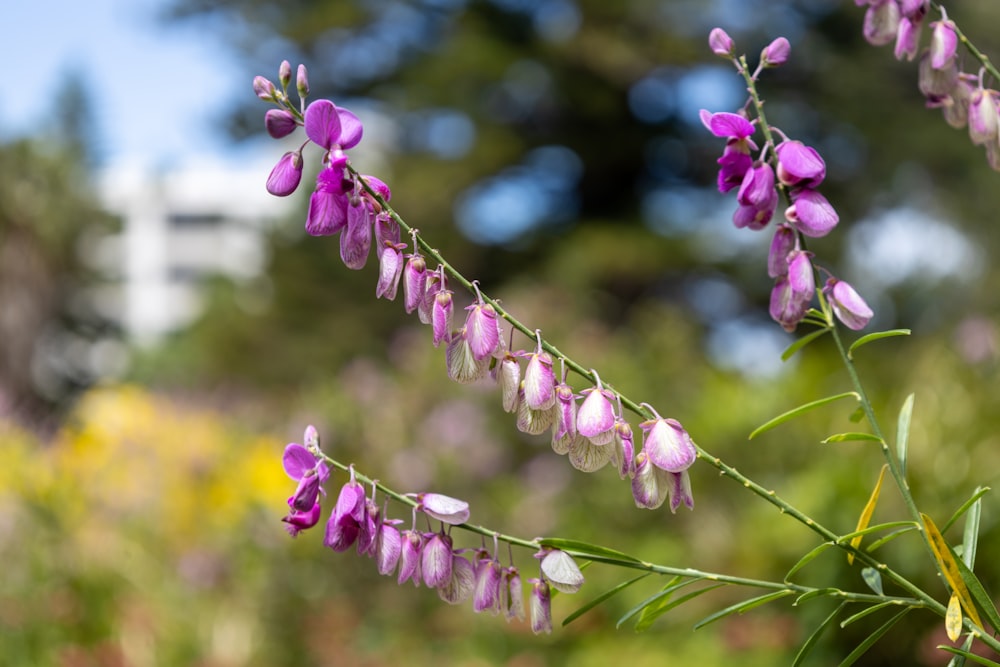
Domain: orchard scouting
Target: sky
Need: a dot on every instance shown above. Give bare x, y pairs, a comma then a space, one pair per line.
144, 77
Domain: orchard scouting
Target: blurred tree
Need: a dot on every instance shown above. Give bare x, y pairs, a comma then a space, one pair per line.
48, 213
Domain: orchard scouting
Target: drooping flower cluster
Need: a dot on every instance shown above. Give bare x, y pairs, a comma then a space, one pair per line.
424, 557
591, 434
762, 176
961, 96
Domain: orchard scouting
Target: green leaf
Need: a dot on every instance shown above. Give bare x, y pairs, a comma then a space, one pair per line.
959, 660
808, 558
802, 342
863, 647
903, 431
802, 409
674, 584
864, 612
970, 538
587, 549
601, 598
979, 594
857, 415
741, 607
976, 495
875, 336
651, 613
909, 525
810, 642
815, 593
971, 656
891, 536
873, 579
845, 437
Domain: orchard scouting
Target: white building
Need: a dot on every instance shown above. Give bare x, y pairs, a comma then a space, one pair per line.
179, 226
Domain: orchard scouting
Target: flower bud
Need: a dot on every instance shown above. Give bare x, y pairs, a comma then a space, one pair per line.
285, 74
390, 263
279, 123
811, 213
799, 164
286, 175
414, 281
302, 82
775, 53
441, 314
721, 43
264, 89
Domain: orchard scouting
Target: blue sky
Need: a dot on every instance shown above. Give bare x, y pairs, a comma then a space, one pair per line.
157, 90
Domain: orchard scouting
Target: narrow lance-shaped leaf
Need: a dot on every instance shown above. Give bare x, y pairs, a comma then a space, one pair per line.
585, 549
847, 437
602, 598
959, 660
903, 431
864, 340
802, 342
978, 659
970, 538
866, 513
674, 584
650, 614
811, 641
866, 611
808, 558
949, 568
863, 647
745, 605
802, 409
977, 494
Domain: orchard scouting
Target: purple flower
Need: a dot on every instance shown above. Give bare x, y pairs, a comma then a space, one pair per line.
792, 293
443, 508
388, 546
983, 119
285, 73
667, 444
944, 42
907, 38
482, 330
390, 263
310, 472
595, 420
799, 164
564, 432
344, 524
441, 313
513, 596
881, 22
721, 43
649, 484
679, 490
540, 604
328, 203
757, 188
847, 304
279, 123
287, 173
356, 241
414, 281
529, 420
539, 379
409, 557
488, 595
508, 374
462, 581
436, 560
298, 521
784, 242
811, 213
735, 160
463, 367
775, 53
623, 455
936, 82
560, 570
588, 456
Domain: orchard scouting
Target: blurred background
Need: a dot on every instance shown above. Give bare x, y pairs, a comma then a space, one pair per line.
166, 326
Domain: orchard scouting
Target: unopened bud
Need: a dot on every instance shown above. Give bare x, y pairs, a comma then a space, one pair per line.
775, 53
264, 89
302, 82
721, 43
285, 74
